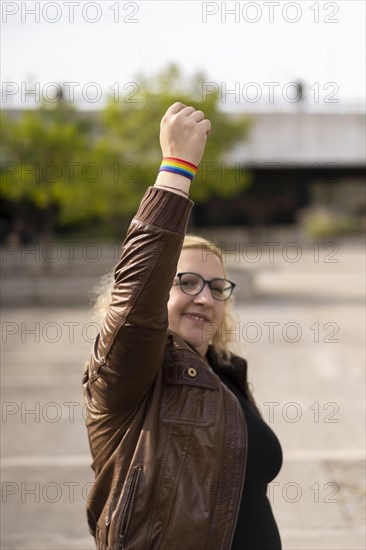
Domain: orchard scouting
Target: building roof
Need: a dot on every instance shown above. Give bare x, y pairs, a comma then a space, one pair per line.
304, 139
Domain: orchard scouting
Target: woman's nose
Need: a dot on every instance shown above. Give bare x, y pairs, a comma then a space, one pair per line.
204, 296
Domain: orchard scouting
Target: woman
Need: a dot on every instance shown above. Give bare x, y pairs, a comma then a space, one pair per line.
181, 456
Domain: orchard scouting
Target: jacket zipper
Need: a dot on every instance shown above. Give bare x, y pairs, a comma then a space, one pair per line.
127, 510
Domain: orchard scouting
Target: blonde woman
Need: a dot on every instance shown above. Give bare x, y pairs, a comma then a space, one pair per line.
182, 458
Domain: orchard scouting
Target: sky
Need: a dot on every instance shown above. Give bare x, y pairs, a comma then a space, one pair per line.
250, 51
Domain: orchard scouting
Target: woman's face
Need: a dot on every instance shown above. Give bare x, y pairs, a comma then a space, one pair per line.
196, 318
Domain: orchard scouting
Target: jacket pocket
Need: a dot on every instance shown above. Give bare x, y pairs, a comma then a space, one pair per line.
189, 395
127, 510
188, 406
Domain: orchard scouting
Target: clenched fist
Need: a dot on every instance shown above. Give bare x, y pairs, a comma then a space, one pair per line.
183, 133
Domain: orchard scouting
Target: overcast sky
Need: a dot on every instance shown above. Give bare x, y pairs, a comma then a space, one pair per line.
257, 50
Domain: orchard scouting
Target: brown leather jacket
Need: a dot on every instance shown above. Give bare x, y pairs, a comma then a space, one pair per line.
168, 439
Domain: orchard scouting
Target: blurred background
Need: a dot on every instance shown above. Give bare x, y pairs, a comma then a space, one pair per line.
281, 189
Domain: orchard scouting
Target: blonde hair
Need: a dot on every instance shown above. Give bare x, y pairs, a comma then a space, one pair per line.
223, 337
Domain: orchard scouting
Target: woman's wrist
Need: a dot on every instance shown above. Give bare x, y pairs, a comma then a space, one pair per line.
175, 183
178, 166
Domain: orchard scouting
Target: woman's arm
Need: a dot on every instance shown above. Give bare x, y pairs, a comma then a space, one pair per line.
129, 349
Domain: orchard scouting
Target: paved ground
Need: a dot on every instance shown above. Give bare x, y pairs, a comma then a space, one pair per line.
304, 338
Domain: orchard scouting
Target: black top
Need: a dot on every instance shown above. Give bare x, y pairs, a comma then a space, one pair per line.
256, 527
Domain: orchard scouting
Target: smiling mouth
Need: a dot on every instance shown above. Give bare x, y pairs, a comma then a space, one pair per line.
197, 317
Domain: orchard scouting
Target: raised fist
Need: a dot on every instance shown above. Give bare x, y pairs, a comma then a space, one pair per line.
183, 133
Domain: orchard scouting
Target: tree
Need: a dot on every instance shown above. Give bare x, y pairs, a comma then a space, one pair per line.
42, 150
80, 168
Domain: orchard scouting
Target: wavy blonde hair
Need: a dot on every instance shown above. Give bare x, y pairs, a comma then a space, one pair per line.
222, 339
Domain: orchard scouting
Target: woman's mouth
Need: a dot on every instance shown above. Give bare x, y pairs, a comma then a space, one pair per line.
197, 317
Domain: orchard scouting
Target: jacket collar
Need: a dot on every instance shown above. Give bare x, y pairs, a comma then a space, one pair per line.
235, 368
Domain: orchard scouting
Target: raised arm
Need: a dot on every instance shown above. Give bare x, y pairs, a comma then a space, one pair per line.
128, 351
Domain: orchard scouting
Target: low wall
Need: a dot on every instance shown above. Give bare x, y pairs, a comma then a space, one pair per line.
56, 275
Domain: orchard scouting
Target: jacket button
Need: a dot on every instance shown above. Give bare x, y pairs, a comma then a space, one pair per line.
192, 372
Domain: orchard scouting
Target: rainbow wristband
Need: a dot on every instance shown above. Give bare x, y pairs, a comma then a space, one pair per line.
178, 166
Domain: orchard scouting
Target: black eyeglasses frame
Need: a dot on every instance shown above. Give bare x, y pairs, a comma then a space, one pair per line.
204, 282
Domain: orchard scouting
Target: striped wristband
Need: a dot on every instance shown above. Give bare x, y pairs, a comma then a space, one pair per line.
178, 166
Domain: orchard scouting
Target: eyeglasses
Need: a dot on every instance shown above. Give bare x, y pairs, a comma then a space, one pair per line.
192, 284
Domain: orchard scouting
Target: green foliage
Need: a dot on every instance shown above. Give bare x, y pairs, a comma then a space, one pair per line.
322, 223
96, 166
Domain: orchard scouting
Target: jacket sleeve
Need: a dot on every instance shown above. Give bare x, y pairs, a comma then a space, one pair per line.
129, 349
